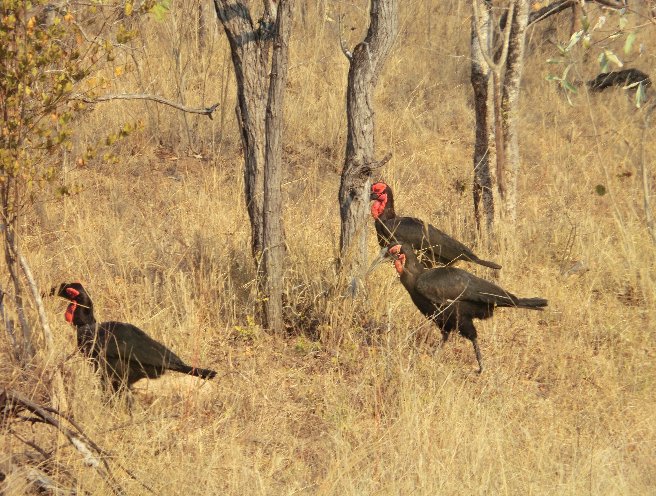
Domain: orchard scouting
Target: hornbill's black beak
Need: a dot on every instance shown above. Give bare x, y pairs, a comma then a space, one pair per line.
55, 291
383, 255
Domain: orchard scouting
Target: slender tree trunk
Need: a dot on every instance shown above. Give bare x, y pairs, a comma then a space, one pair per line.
510, 103
480, 80
249, 48
644, 174
366, 63
202, 26
274, 242
9, 237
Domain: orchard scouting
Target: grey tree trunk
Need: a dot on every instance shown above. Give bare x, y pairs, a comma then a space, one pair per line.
249, 47
481, 39
11, 259
274, 242
365, 64
510, 104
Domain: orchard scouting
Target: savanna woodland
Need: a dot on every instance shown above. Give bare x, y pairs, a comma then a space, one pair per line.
192, 196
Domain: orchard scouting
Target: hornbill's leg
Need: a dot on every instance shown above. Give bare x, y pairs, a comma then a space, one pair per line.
479, 358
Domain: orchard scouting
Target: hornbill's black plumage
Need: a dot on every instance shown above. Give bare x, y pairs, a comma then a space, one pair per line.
452, 297
438, 247
122, 352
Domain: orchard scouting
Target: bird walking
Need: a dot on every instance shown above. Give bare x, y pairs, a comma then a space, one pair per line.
439, 247
452, 297
121, 352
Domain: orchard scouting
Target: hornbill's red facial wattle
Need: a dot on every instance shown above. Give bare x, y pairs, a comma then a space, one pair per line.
73, 292
70, 310
399, 258
379, 196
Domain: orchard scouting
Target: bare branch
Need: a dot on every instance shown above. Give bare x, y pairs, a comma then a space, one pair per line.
557, 7
154, 98
367, 168
60, 391
611, 4
380, 163
80, 441
47, 333
549, 10
342, 41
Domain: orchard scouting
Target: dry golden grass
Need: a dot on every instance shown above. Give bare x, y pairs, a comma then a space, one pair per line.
355, 403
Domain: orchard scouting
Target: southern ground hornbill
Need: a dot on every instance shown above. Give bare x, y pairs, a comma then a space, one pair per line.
121, 352
452, 297
439, 248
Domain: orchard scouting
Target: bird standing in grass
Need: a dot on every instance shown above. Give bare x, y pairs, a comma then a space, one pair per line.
439, 248
122, 352
452, 297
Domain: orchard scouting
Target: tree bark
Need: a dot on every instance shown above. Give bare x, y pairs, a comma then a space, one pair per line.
365, 64
249, 48
480, 79
509, 106
11, 259
274, 242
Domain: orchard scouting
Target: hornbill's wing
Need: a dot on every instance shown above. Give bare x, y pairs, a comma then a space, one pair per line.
128, 342
449, 284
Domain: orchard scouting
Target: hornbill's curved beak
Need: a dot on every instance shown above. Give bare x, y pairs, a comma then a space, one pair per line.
55, 291
383, 255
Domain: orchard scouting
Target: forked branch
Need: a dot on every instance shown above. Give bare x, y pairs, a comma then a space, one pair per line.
498, 65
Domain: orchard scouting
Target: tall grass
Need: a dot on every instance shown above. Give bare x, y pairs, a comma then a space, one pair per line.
357, 402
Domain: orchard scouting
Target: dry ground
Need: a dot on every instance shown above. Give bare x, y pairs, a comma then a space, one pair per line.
356, 403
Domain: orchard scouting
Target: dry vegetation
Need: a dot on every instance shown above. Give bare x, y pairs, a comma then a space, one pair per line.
353, 403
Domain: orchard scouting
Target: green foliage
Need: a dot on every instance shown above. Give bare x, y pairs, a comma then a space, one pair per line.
160, 9
607, 58
48, 64
40, 66
249, 333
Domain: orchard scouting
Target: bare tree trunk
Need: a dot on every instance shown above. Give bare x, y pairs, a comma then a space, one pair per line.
249, 48
480, 80
9, 327
274, 242
202, 26
509, 106
644, 174
365, 62
9, 237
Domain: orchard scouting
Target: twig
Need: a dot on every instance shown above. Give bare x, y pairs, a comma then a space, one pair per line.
154, 98
79, 440
342, 43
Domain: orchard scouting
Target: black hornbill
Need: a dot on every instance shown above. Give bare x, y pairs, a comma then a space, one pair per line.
121, 352
439, 247
452, 297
